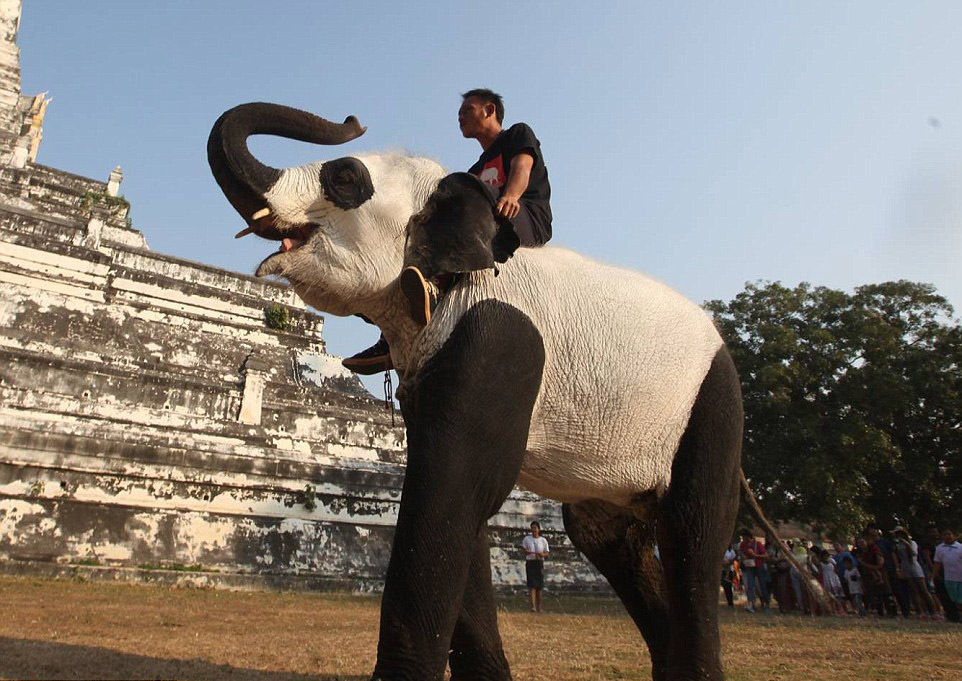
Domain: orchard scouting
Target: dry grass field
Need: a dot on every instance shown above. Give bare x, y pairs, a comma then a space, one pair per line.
71, 630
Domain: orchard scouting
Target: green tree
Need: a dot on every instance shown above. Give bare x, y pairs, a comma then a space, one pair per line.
852, 402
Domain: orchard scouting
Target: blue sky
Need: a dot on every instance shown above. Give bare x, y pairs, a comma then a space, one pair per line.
707, 144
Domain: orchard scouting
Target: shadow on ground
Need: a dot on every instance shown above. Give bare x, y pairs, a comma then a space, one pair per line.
27, 659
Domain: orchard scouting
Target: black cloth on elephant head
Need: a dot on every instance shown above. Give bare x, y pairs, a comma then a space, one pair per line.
458, 230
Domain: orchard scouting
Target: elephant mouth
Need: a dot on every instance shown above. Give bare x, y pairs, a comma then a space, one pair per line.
291, 237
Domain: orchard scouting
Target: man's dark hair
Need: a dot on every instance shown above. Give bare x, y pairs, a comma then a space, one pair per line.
535, 524
489, 97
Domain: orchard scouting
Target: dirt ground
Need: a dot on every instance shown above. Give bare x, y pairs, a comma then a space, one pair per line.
73, 630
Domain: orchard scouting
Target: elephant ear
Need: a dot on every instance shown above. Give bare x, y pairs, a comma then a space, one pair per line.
458, 229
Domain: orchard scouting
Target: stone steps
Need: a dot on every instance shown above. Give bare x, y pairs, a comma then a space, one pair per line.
21, 221
56, 201
178, 399
63, 196
171, 277
62, 178
68, 271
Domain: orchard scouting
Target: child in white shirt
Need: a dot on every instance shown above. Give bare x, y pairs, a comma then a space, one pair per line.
854, 579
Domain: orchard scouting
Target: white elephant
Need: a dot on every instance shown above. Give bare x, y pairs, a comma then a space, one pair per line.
585, 383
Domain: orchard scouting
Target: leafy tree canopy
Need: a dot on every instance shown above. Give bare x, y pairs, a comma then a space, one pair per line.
852, 403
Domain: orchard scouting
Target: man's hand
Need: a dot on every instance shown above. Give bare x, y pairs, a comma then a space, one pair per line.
508, 206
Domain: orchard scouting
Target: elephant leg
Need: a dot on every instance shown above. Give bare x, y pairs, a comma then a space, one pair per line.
696, 519
468, 412
622, 547
476, 651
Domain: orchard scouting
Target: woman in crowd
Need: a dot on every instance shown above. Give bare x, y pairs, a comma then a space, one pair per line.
909, 571
753, 557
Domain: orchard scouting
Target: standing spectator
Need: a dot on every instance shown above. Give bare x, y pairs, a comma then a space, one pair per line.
927, 546
814, 563
765, 572
948, 572
801, 557
927, 560
781, 582
841, 553
910, 572
728, 576
535, 551
852, 576
753, 569
896, 586
878, 592
814, 568
860, 546
831, 582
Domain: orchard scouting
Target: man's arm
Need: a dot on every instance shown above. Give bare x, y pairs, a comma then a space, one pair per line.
509, 203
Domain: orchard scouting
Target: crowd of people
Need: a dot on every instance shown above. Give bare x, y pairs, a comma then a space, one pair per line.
890, 574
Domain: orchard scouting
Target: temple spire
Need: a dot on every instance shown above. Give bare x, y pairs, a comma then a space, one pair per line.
21, 117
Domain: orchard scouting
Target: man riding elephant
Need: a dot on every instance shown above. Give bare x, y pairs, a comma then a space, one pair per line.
512, 168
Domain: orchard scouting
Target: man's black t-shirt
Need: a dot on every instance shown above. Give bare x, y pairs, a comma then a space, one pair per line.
494, 166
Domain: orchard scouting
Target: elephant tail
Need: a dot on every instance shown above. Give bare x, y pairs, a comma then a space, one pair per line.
814, 589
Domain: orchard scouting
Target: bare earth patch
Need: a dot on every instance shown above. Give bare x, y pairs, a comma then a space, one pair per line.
71, 630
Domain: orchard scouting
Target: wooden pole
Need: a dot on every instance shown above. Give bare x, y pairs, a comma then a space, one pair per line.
814, 589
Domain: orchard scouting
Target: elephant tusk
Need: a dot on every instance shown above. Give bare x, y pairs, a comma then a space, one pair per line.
263, 212
244, 232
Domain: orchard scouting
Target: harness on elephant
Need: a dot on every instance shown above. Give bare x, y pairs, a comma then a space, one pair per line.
389, 394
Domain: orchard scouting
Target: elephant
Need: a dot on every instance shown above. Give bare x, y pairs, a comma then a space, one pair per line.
585, 383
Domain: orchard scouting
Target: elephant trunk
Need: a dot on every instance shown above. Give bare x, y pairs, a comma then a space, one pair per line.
245, 180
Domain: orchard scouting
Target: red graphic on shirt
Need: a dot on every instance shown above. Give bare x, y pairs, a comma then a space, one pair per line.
492, 173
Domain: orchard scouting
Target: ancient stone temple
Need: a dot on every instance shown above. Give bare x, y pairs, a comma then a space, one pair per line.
163, 419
